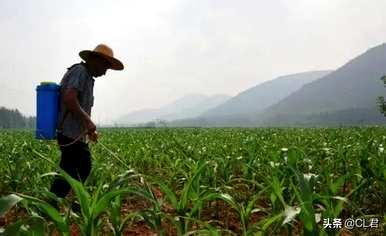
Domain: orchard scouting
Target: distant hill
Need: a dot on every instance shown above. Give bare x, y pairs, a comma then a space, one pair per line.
189, 107
262, 96
353, 87
186, 107
12, 118
347, 96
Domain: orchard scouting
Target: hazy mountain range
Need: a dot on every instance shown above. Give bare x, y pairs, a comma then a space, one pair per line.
186, 107
347, 95
350, 93
222, 107
262, 96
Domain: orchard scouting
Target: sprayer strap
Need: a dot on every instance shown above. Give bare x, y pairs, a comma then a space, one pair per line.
61, 123
75, 140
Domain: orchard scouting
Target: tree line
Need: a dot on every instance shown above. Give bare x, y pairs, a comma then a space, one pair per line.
12, 118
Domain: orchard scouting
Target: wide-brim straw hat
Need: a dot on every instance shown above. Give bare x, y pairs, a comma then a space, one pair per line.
104, 51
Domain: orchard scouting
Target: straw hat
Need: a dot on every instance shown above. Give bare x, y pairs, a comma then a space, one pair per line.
104, 51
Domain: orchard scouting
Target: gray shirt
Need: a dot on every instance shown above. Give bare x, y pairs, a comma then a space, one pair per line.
76, 77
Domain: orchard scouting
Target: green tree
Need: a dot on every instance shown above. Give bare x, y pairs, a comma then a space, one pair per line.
12, 118
381, 99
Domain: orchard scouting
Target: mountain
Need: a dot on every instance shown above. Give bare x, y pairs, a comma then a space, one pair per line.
189, 107
261, 96
139, 116
186, 107
353, 87
346, 96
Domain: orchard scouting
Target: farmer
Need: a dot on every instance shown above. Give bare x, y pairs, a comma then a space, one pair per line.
74, 122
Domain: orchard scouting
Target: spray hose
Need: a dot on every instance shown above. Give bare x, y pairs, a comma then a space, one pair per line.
75, 140
113, 154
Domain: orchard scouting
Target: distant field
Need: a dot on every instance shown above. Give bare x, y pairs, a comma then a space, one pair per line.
202, 182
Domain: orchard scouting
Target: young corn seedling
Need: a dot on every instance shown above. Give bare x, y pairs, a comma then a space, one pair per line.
121, 181
33, 226
118, 224
244, 211
11, 200
189, 203
305, 197
91, 206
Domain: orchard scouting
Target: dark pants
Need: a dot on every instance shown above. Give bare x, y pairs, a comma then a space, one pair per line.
75, 160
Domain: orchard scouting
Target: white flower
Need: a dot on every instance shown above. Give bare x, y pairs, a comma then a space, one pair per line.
340, 198
318, 217
215, 167
290, 213
272, 163
284, 152
308, 176
380, 148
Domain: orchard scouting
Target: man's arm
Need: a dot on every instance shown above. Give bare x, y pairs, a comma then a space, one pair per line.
70, 100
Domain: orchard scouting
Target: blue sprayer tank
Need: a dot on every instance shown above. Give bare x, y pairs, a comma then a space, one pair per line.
47, 110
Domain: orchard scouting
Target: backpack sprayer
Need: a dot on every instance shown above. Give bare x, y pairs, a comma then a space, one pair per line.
47, 110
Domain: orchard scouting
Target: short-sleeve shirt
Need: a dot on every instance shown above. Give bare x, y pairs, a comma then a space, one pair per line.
76, 77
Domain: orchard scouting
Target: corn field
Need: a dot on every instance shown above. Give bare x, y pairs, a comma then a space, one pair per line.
191, 181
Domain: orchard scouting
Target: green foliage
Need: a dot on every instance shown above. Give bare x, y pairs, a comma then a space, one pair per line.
200, 181
7, 202
381, 100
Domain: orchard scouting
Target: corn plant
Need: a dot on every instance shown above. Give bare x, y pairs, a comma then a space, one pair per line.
188, 204
19, 227
92, 206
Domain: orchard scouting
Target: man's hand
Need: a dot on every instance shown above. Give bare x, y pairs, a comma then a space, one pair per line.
90, 126
93, 136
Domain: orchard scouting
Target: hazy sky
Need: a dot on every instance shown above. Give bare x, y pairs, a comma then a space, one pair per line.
172, 48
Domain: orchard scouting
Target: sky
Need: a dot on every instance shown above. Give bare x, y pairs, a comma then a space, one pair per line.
173, 48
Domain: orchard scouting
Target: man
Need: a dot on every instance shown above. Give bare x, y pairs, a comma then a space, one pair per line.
75, 124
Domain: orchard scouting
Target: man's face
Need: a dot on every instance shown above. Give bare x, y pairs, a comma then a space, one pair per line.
99, 66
